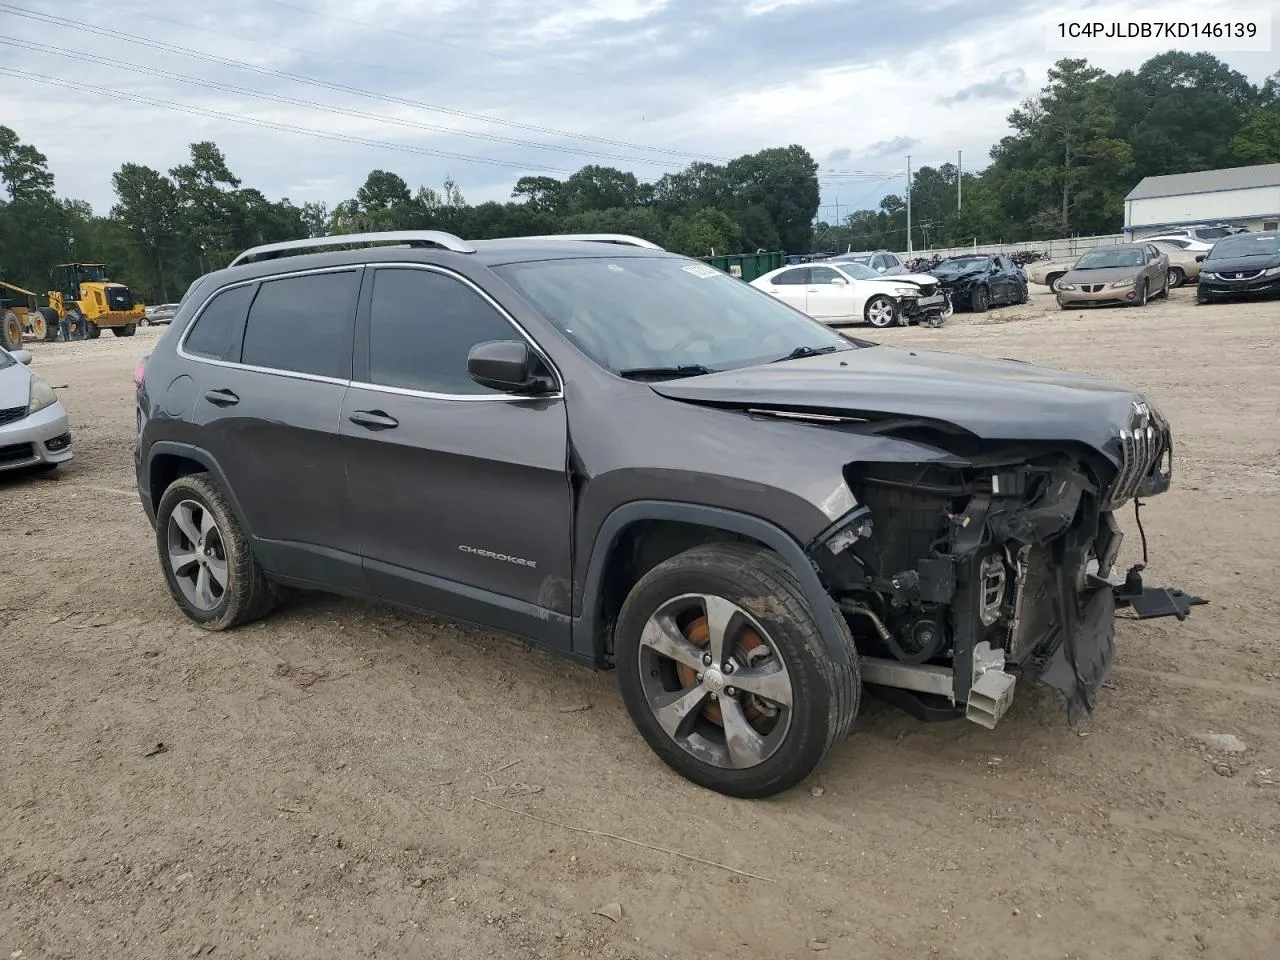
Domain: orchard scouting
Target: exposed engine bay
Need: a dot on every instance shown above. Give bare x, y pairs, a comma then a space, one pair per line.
959, 580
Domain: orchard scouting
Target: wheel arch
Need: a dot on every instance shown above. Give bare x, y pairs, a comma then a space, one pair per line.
637, 536
168, 460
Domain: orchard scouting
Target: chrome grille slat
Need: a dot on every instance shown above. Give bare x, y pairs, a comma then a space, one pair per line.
1144, 446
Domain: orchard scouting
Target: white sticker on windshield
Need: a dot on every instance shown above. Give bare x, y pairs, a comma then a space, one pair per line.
702, 270
614, 268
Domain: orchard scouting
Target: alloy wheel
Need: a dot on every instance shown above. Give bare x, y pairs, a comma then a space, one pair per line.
197, 555
715, 681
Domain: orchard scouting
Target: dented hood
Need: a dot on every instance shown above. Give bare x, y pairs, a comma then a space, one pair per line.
992, 399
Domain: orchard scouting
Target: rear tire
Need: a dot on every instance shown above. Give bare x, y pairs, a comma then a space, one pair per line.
1052, 279
128, 330
1177, 277
10, 331
91, 330
768, 643
206, 559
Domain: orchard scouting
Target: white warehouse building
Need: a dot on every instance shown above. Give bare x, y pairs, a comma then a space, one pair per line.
1248, 196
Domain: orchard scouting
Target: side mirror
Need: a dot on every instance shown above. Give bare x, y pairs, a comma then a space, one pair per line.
839, 282
22, 356
506, 365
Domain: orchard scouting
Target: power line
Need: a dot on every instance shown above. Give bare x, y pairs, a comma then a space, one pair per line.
339, 87
144, 69
316, 55
271, 124
439, 43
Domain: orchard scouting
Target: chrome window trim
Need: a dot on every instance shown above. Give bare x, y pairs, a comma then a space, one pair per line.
557, 394
253, 368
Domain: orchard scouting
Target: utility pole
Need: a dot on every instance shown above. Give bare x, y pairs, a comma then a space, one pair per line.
837, 211
908, 204
959, 178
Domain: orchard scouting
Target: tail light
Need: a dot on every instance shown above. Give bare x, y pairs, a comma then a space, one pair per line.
138, 372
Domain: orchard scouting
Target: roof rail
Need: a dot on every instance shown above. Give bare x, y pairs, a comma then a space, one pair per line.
409, 238
619, 238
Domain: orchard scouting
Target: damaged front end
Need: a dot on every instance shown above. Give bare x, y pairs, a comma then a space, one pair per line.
960, 579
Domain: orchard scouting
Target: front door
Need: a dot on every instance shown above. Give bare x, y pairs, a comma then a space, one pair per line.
274, 365
830, 296
460, 492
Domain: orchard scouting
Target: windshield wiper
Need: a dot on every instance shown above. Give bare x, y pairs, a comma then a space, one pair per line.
683, 370
805, 351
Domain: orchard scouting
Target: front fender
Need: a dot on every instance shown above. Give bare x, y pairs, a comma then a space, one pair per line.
588, 631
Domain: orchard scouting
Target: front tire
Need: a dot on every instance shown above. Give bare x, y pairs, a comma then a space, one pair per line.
768, 706
1143, 292
206, 559
880, 311
979, 299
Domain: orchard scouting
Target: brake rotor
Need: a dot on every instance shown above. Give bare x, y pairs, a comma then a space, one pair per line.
748, 648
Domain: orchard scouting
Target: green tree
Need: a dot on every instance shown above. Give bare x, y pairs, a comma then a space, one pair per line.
784, 182
147, 207
206, 204
707, 232
24, 170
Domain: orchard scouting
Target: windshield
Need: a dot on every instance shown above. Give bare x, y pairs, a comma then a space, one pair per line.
640, 313
854, 258
1119, 257
1245, 245
961, 265
859, 271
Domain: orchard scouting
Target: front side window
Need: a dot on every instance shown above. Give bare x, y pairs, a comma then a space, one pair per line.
217, 331
304, 324
643, 313
422, 325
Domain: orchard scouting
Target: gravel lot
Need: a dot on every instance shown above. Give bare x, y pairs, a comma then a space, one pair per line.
317, 796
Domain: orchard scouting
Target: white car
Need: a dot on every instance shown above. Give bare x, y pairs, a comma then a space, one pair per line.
844, 292
33, 425
1180, 240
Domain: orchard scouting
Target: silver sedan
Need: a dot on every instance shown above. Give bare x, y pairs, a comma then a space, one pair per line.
34, 433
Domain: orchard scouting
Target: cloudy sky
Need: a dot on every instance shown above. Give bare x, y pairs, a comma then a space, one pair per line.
306, 96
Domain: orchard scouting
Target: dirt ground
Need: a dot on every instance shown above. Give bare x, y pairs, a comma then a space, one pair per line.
320, 790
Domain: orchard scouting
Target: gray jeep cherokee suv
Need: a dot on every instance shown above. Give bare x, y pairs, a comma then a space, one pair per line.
639, 462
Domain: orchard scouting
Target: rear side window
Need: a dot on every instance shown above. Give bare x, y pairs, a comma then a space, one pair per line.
788, 277
217, 331
304, 324
422, 325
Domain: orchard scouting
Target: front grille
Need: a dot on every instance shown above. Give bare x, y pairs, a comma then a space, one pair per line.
119, 298
1092, 287
1241, 275
928, 289
12, 415
17, 452
1144, 445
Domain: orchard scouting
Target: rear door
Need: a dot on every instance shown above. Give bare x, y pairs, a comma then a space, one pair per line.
274, 362
460, 492
791, 287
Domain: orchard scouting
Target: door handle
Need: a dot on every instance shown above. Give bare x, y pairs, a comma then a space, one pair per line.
373, 420
222, 398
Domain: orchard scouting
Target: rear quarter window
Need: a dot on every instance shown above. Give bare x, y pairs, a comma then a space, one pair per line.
218, 329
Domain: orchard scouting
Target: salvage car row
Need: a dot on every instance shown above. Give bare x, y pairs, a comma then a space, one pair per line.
1236, 266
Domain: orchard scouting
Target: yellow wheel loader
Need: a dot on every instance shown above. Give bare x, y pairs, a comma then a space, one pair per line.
87, 302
